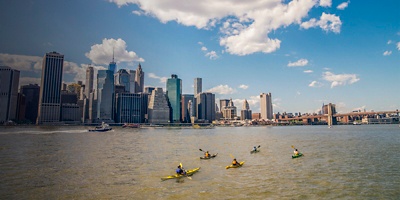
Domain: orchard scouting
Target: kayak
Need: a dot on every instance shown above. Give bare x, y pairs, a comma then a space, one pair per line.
188, 173
256, 151
213, 156
235, 166
296, 156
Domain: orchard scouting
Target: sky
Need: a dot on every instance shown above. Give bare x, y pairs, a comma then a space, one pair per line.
304, 52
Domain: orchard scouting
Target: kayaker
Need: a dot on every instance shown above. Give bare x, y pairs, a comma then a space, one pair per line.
234, 162
179, 170
254, 148
296, 152
207, 155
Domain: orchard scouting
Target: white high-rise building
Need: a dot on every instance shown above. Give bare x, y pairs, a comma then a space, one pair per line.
197, 85
266, 106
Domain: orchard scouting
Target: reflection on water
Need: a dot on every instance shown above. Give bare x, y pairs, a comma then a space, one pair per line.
347, 162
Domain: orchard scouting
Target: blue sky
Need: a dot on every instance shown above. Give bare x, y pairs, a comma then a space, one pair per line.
305, 52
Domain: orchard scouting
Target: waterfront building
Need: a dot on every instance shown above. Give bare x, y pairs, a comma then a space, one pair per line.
92, 107
256, 116
132, 83
31, 93
266, 106
130, 108
197, 86
105, 95
70, 113
148, 90
205, 104
245, 112
222, 104
158, 109
8, 93
229, 111
89, 81
139, 79
122, 77
50, 88
174, 91
21, 106
187, 100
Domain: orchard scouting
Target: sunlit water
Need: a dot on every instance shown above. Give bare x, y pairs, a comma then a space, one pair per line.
344, 162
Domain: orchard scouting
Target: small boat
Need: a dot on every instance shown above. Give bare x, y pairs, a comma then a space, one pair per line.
103, 128
235, 166
297, 156
213, 156
256, 151
188, 173
126, 125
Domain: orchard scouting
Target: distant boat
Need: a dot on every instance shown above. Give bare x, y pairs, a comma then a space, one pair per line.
103, 128
356, 123
126, 125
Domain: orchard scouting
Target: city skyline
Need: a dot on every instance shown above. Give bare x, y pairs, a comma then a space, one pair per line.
326, 52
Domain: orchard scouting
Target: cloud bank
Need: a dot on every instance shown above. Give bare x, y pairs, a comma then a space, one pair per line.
340, 79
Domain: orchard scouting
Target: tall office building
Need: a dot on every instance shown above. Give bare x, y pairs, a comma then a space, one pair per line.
8, 93
105, 95
89, 81
197, 85
139, 79
174, 91
132, 83
229, 111
246, 112
187, 100
122, 77
266, 106
130, 108
31, 93
50, 88
158, 109
113, 65
205, 104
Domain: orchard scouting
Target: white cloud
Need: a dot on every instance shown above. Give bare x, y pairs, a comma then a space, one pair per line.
389, 42
138, 12
387, 53
102, 53
253, 101
325, 3
212, 55
327, 22
300, 63
315, 84
161, 79
246, 26
398, 46
222, 89
343, 5
340, 79
308, 71
204, 48
244, 87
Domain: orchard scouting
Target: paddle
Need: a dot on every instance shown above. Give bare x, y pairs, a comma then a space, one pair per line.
180, 164
299, 152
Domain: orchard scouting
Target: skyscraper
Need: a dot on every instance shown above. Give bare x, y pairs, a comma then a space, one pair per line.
229, 111
31, 93
197, 85
139, 79
186, 98
129, 107
89, 81
105, 95
246, 112
132, 83
174, 91
205, 104
8, 93
122, 77
158, 110
50, 88
113, 65
266, 106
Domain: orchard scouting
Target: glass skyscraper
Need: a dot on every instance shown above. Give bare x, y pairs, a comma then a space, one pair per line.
50, 88
174, 91
105, 95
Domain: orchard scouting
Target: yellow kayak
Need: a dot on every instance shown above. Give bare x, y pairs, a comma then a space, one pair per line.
234, 166
188, 173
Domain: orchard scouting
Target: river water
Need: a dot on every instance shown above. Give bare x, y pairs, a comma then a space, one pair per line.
343, 162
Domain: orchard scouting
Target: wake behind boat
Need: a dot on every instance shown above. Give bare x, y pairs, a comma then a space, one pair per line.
103, 128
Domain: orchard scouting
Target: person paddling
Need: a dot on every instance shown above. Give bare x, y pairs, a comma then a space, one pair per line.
206, 154
234, 162
254, 148
179, 170
296, 152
